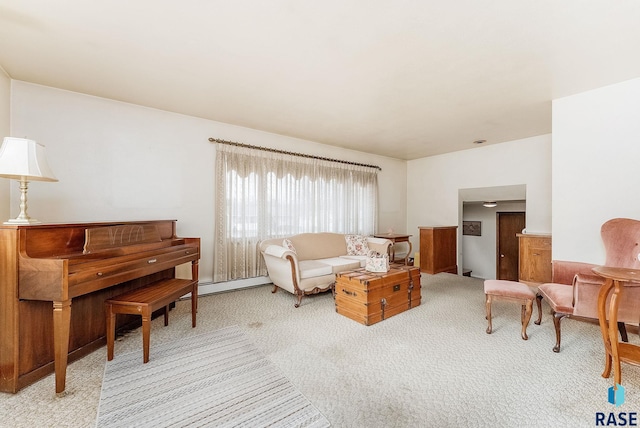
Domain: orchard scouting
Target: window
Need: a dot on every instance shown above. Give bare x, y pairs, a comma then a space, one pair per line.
261, 194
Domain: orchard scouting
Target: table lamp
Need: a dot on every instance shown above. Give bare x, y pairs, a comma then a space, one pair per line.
24, 160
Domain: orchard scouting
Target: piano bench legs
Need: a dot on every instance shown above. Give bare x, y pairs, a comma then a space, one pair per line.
144, 301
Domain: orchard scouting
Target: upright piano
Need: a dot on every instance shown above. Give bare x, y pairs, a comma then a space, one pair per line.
54, 279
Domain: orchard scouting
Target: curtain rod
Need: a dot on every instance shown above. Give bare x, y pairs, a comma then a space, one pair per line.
267, 149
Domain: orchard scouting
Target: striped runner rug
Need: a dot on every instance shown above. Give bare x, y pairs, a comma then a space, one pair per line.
217, 379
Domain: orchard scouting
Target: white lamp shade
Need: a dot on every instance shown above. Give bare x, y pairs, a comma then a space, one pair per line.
22, 158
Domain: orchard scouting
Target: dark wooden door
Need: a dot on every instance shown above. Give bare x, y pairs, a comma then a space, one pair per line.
508, 224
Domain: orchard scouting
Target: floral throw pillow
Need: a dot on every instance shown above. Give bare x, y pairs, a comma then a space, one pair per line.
288, 245
356, 245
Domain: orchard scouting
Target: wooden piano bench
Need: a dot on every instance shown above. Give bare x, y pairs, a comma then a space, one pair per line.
144, 301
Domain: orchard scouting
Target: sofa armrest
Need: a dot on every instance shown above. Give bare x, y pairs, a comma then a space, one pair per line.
586, 288
565, 271
278, 251
282, 267
583, 278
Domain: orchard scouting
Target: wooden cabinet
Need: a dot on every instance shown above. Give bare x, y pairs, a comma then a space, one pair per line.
438, 249
535, 258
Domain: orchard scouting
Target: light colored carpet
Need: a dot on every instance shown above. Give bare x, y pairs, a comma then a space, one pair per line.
433, 365
216, 379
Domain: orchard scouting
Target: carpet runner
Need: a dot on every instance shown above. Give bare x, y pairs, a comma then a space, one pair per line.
217, 379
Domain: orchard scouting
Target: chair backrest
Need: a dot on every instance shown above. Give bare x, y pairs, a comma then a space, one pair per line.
621, 238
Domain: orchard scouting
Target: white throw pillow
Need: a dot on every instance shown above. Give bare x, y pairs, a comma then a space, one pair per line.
356, 245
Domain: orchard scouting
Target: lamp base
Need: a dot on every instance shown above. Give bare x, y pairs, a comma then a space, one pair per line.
22, 221
23, 218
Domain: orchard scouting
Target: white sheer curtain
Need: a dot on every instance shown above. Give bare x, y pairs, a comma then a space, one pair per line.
262, 194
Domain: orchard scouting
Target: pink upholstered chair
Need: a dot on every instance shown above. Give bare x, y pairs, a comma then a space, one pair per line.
574, 290
621, 238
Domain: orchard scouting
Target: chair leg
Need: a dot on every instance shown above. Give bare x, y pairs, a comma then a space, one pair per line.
539, 304
194, 304
623, 331
275, 288
488, 308
299, 299
111, 330
526, 316
166, 315
146, 333
557, 317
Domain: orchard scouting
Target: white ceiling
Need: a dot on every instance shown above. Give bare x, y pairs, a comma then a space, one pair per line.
404, 79
516, 192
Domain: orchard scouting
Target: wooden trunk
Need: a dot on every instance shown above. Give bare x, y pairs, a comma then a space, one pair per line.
371, 297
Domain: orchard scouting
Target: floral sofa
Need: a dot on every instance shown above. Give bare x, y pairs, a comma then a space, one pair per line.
308, 263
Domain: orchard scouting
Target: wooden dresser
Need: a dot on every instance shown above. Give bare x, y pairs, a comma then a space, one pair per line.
438, 249
535, 258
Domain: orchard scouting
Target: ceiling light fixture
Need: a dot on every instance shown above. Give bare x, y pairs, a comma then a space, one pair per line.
490, 204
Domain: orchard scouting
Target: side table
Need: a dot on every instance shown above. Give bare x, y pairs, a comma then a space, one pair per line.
395, 238
616, 279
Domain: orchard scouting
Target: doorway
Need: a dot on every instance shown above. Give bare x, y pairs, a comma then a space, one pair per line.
478, 253
508, 224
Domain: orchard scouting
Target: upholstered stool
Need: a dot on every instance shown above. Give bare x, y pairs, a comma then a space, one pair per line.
510, 290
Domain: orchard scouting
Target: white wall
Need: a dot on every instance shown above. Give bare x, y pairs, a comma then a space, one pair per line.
5, 131
596, 170
118, 161
433, 182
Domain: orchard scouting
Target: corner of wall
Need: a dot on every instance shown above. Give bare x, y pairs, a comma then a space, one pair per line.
5, 130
